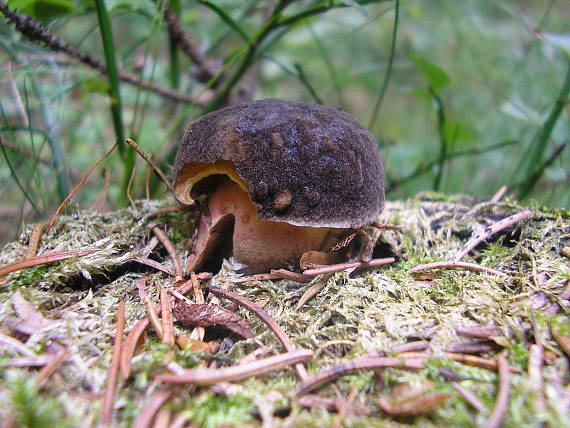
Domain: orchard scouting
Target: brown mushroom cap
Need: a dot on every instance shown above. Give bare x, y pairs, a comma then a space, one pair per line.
304, 164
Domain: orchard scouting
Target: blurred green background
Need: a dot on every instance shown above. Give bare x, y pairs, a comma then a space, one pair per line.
462, 96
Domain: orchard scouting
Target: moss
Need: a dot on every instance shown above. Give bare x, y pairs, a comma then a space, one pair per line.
355, 314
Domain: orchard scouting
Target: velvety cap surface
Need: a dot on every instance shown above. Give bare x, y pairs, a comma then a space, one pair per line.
304, 164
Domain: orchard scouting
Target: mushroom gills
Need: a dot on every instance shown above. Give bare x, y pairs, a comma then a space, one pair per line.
259, 244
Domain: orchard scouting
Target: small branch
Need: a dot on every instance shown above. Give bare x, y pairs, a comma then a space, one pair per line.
145, 418
417, 346
478, 332
563, 341
109, 399
455, 265
535, 379
231, 374
499, 195
343, 266
490, 231
503, 396
264, 316
38, 33
154, 264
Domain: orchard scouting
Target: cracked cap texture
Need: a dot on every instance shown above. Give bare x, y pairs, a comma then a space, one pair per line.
304, 164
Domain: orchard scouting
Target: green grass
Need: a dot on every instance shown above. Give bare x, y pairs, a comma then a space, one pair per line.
382, 62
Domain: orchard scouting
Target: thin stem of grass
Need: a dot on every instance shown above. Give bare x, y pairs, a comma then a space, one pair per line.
389, 69
533, 157
443, 143
174, 58
305, 81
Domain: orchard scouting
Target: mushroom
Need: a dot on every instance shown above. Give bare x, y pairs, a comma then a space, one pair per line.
275, 179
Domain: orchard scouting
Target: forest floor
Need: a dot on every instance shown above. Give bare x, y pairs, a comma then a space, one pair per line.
484, 342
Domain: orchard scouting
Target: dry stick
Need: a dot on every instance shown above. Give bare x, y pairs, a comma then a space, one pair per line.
154, 264
368, 363
471, 399
256, 277
167, 325
535, 380
153, 318
113, 374
22, 348
470, 360
234, 373
497, 196
343, 266
35, 239
416, 346
50, 367
148, 159
490, 231
38, 33
503, 396
162, 418
78, 186
44, 259
145, 418
293, 276
163, 238
136, 332
345, 407
39, 361
264, 316
454, 265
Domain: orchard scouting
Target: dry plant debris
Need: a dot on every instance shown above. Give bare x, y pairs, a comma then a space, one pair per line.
381, 346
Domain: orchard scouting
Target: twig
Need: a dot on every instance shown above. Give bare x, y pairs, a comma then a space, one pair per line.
145, 418
22, 348
44, 259
367, 363
38, 33
230, 374
153, 317
198, 332
264, 316
148, 159
154, 264
25, 152
167, 325
113, 374
563, 341
50, 367
490, 231
343, 266
163, 238
454, 265
503, 396
256, 277
78, 186
343, 410
293, 276
417, 346
130, 184
471, 399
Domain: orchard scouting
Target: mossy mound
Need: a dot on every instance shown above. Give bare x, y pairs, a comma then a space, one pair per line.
356, 313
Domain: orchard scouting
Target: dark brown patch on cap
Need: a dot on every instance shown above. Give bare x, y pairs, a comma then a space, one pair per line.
306, 164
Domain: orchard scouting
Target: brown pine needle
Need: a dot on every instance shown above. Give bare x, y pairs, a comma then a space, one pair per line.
498, 196
44, 259
22, 348
198, 332
535, 379
455, 265
416, 346
367, 363
35, 239
148, 159
293, 276
153, 318
167, 325
163, 238
346, 405
50, 367
503, 396
145, 418
109, 399
490, 231
343, 266
156, 265
264, 316
312, 291
203, 376
471, 399
563, 341
78, 186
478, 332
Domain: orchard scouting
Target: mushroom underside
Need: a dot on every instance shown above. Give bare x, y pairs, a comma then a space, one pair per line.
229, 225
